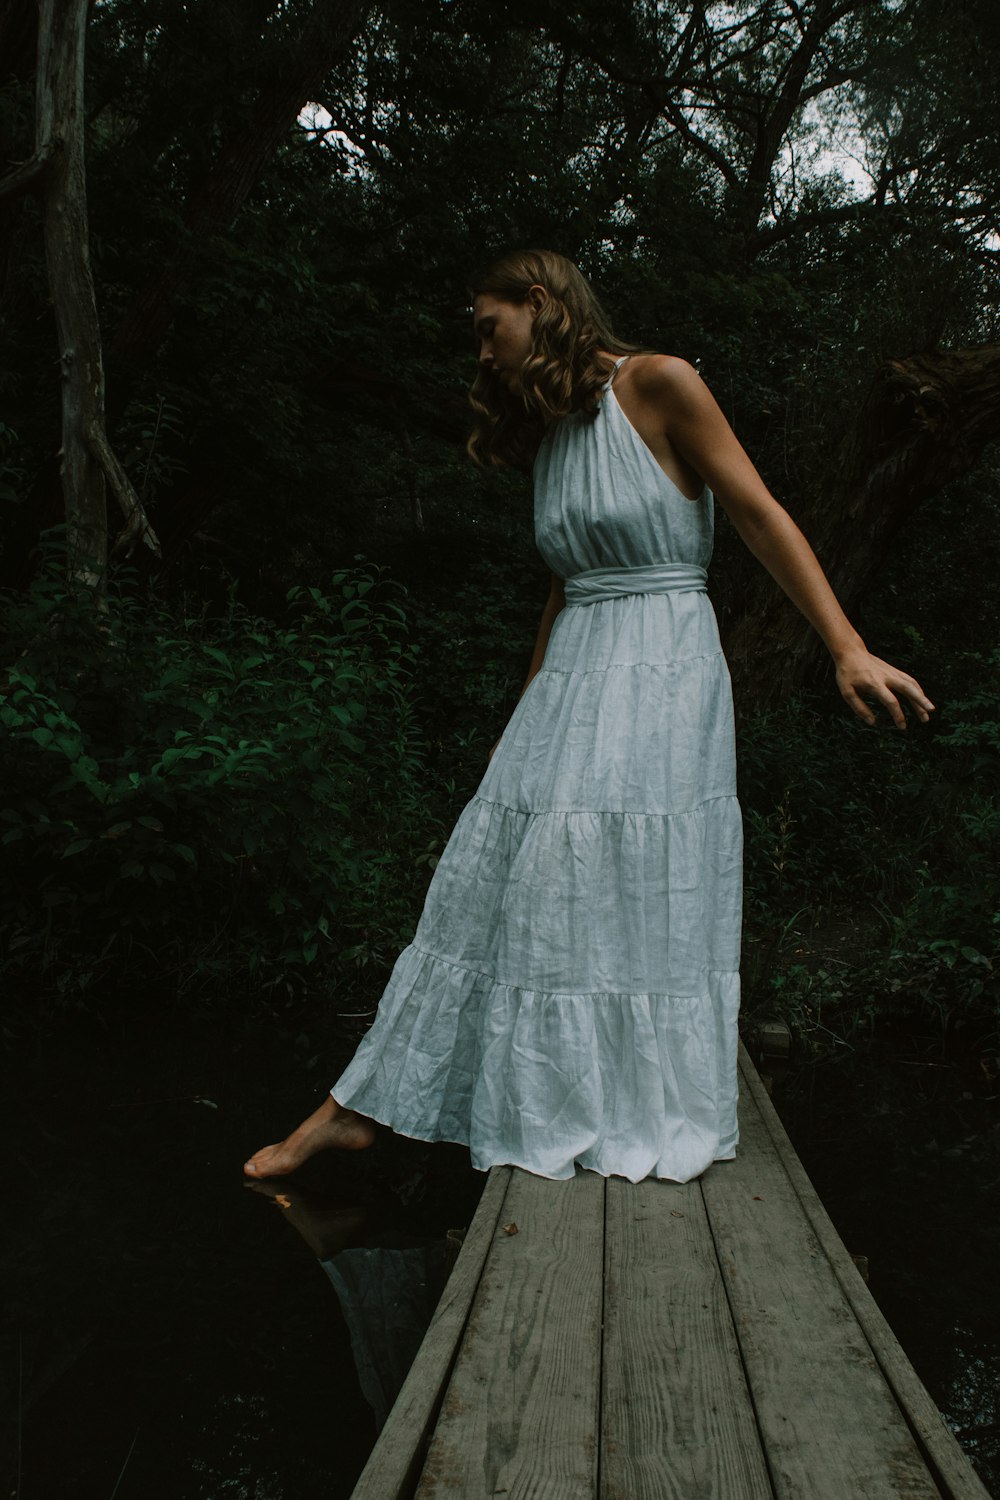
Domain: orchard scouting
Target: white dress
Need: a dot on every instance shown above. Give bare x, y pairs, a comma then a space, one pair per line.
570, 995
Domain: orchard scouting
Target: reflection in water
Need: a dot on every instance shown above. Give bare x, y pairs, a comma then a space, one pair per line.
387, 1283
388, 1295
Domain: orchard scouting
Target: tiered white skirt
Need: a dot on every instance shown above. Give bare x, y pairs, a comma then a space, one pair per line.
571, 994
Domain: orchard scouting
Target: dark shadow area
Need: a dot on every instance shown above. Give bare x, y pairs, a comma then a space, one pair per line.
164, 1333
901, 1138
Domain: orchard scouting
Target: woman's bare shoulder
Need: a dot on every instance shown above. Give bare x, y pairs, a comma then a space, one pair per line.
663, 375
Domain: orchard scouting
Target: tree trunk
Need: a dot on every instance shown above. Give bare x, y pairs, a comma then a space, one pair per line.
88, 463
924, 423
311, 54
59, 108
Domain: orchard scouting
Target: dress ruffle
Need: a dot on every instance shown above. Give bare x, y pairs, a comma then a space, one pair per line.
631, 1085
571, 994
589, 902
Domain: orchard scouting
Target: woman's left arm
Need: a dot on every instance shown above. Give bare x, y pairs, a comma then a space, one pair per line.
700, 433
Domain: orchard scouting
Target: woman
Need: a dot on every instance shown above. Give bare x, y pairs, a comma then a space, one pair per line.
570, 997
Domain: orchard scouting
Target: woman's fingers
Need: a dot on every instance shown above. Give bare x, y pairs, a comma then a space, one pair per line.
877, 679
862, 709
922, 705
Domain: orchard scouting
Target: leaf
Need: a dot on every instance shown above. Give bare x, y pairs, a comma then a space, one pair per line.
71, 745
171, 757
218, 656
76, 847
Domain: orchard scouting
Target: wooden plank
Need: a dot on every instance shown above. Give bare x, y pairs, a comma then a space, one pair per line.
394, 1465
830, 1425
953, 1471
520, 1417
676, 1420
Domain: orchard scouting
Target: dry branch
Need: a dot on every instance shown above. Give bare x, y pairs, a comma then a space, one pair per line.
136, 521
27, 174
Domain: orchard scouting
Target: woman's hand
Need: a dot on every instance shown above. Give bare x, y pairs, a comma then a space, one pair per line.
861, 675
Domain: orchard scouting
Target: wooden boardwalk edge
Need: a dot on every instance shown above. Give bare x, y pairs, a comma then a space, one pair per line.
941, 1451
648, 1261
393, 1468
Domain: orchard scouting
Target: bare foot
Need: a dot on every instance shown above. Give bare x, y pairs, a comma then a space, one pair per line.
331, 1127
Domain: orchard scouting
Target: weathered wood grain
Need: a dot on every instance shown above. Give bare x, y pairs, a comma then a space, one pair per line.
950, 1467
393, 1468
705, 1341
520, 1417
831, 1427
676, 1418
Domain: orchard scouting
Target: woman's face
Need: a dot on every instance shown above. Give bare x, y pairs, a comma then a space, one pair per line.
503, 331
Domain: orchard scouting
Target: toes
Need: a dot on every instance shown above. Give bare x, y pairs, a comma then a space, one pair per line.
259, 1165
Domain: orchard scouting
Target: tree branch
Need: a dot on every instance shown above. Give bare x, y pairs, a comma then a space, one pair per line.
28, 174
675, 115
842, 213
136, 521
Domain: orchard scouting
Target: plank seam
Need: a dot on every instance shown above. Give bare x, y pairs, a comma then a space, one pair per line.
599, 1431
739, 1346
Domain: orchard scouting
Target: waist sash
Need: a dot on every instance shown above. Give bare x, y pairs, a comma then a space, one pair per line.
597, 584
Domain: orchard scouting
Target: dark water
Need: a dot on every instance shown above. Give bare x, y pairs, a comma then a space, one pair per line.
169, 1332
166, 1329
901, 1138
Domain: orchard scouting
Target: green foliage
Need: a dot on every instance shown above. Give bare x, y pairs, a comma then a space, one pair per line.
209, 803
317, 348
873, 860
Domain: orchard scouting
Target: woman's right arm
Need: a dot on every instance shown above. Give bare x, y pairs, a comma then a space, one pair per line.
553, 604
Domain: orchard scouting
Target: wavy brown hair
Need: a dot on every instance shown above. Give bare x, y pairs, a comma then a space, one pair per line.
563, 373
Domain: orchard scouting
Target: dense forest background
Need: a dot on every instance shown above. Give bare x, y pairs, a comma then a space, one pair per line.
240, 722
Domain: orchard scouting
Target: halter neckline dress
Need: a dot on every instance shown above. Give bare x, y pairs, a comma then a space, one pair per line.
570, 996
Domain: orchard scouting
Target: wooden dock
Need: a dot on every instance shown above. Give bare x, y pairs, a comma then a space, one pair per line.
600, 1340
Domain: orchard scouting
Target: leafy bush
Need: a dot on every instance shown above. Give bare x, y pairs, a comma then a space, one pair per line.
891, 843
215, 804
946, 941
